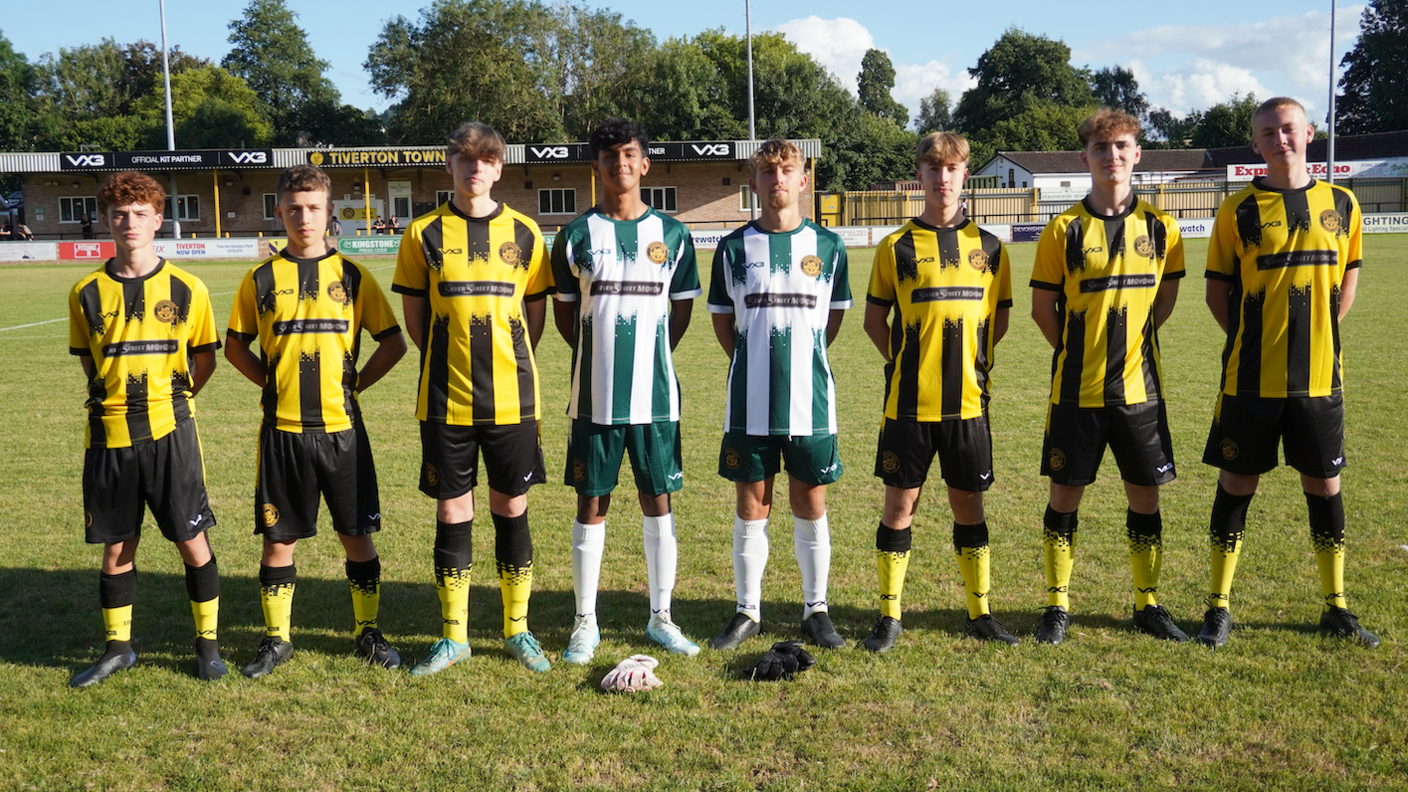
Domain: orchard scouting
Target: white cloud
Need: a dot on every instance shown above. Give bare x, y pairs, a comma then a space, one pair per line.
1192, 67
840, 44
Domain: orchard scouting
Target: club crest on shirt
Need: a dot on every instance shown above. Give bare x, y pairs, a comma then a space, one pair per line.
1144, 247
889, 462
270, 514
811, 266
510, 253
1056, 459
657, 252
1229, 449
978, 260
732, 458
337, 292
165, 312
1331, 221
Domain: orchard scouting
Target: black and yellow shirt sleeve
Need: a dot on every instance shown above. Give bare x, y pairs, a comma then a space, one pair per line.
1107, 272
475, 273
1284, 255
308, 315
945, 286
140, 334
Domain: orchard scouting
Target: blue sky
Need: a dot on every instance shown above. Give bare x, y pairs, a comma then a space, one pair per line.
1187, 55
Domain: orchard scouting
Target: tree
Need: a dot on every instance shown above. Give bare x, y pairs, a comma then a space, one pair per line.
934, 113
1226, 124
1040, 126
210, 107
598, 67
1020, 67
1375, 93
686, 96
1168, 131
19, 113
88, 95
467, 60
271, 52
876, 79
1115, 86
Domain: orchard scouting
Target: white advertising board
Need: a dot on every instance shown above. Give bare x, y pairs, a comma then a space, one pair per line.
29, 251
1391, 167
208, 248
1195, 227
1386, 223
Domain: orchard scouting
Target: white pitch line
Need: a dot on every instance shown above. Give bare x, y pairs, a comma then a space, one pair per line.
33, 324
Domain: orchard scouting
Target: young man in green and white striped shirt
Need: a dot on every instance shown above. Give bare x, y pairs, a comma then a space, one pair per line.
778, 293
626, 281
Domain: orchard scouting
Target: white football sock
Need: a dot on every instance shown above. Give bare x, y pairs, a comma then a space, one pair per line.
661, 558
750, 558
811, 542
588, 543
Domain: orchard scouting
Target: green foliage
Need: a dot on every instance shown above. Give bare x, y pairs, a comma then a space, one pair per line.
1017, 69
877, 151
210, 107
467, 60
598, 67
19, 112
935, 114
686, 97
300, 105
1039, 126
1115, 86
876, 79
1374, 97
1169, 131
1226, 124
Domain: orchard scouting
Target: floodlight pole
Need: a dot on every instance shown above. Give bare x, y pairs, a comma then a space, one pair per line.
1330, 140
170, 128
752, 121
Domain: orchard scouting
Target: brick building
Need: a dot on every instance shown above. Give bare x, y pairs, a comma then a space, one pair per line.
230, 192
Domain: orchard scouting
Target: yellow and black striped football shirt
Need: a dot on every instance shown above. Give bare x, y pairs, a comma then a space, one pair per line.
477, 366
308, 316
946, 286
140, 334
1285, 253
1106, 272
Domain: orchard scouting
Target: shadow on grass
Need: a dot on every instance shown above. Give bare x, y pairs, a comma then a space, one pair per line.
52, 619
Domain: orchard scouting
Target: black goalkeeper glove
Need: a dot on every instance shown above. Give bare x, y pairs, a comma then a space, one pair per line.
782, 661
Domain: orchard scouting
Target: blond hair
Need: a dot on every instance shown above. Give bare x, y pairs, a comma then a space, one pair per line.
774, 153
937, 149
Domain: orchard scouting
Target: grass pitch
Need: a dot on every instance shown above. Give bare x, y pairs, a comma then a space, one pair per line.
1279, 707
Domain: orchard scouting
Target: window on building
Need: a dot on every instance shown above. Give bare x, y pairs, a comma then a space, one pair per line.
187, 208
1011, 177
401, 207
71, 209
659, 198
557, 201
443, 197
270, 200
745, 198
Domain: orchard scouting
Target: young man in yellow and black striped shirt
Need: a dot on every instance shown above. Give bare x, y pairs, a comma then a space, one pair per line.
950, 287
307, 307
473, 276
143, 331
1106, 277
1283, 264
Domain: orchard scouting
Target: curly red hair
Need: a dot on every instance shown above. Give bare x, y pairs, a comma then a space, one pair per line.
130, 187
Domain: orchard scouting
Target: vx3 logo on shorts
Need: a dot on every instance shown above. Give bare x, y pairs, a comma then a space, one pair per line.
530, 475
674, 476
376, 518
196, 521
829, 468
1164, 468
1339, 460
985, 476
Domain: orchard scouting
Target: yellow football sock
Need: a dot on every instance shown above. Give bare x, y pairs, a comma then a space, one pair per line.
1146, 550
1059, 541
970, 543
892, 561
276, 586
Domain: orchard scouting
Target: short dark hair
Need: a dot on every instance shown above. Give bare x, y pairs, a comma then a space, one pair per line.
303, 178
616, 132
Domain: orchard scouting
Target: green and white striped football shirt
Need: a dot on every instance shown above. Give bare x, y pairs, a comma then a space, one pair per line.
781, 289
622, 274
